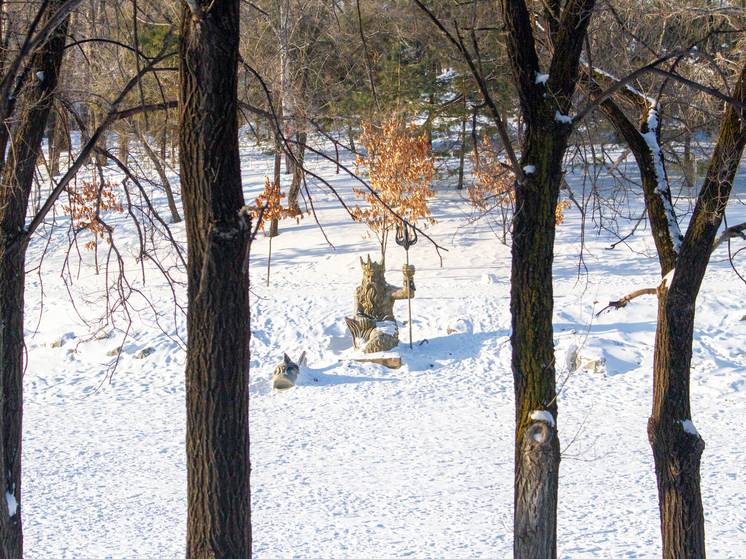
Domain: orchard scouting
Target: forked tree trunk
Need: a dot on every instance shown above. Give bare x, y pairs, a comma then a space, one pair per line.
218, 235
32, 114
677, 447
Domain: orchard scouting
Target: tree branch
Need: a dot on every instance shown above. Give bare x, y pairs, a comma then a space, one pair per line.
621, 303
730, 233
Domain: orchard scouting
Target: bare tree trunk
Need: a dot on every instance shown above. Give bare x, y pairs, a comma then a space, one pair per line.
124, 148
286, 93
690, 162
351, 137
274, 224
537, 457
218, 235
161, 170
537, 447
99, 158
677, 447
17, 180
462, 153
59, 139
294, 191
53, 149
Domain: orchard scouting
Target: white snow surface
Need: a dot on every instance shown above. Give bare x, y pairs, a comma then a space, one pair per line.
360, 461
541, 78
529, 169
563, 119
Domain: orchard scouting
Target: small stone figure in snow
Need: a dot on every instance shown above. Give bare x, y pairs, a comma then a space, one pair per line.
286, 373
374, 327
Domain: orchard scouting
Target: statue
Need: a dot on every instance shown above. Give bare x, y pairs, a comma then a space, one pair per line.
373, 326
286, 373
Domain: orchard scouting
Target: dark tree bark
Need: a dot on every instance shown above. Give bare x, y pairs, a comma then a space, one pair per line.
537, 448
218, 235
677, 447
32, 113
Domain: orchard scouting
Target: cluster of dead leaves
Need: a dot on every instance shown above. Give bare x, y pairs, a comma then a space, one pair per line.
85, 205
268, 205
400, 168
494, 182
493, 179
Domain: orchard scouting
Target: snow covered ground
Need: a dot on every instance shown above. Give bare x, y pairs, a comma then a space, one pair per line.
359, 461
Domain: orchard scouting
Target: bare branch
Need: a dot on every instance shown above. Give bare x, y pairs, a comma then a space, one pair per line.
621, 303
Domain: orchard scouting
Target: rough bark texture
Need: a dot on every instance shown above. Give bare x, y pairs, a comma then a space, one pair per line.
537, 446
538, 490
30, 122
218, 500
537, 466
677, 450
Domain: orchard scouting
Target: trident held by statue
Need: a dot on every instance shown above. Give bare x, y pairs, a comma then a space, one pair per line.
406, 236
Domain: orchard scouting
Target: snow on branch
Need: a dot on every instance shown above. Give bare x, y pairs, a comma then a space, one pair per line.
650, 135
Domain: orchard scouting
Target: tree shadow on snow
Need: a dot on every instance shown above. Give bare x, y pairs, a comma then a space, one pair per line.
324, 376
432, 353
